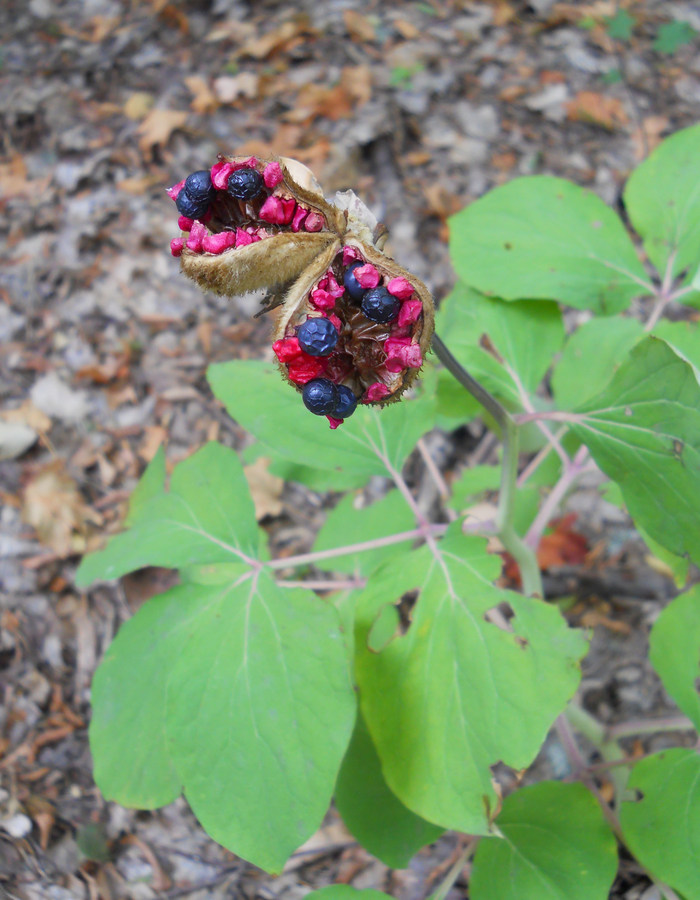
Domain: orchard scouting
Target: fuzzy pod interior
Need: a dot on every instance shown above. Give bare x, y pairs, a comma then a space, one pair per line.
289, 236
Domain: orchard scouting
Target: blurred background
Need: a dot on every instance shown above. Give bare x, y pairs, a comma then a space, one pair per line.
420, 107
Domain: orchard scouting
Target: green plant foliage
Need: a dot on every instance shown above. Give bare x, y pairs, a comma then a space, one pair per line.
492, 339
662, 828
455, 694
674, 651
673, 35
546, 238
621, 25
556, 845
346, 892
662, 197
206, 516
591, 356
373, 814
644, 433
684, 337
236, 688
346, 524
363, 446
472, 483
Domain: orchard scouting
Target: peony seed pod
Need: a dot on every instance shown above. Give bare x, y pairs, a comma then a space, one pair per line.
288, 237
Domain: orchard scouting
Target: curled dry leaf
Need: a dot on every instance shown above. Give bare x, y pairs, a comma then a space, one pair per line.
249, 224
53, 506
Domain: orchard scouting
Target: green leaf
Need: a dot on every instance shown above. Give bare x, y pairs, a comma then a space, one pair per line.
556, 845
546, 238
346, 891
346, 524
663, 828
590, 358
363, 446
621, 25
662, 198
207, 516
644, 433
379, 821
674, 651
455, 694
239, 693
673, 35
684, 337
472, 483
469, 320
151, 483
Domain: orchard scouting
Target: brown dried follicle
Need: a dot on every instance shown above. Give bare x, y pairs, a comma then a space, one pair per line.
296, 260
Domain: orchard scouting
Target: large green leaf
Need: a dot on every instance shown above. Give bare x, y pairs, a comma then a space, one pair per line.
662, 829
556, 845
684, 337
546, 238
662, 198
241, 694
674, 651
346, 892
470, 323
644, 433
373, 814
346, 524
590, 358
206, 516
455, 694
364, 445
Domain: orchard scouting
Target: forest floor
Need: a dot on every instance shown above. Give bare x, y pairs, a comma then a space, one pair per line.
420, 108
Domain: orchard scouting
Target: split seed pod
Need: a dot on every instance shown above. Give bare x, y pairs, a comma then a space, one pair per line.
326, 259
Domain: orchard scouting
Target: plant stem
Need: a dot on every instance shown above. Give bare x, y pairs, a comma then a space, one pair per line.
649, 726
570, 474
518, 549
304, 559
455, 871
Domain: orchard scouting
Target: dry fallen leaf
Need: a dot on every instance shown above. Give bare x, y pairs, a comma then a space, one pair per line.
203, 99
158, 126
155, 435
589, 106
138, 105
228, 88
27, 414
281, 37
359, 27
265, 489
562, 546
652, 129
52, 505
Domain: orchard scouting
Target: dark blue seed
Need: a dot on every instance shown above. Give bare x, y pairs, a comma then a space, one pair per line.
380, 306
320, 396
191, 207
317, 336
352, 285
244, 184
346, 405
198, 185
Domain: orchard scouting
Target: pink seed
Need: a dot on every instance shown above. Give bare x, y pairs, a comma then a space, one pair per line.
400, 288
350, 254
299, 215
176, 246
220, 173
185, 224
366, 276
272, 174
243, 238
217, 243
410, 311
197, 235
322, 299
277, 210
287, 349
331, 285
402, 354
173, 191
314, 222
334, 423
374, 392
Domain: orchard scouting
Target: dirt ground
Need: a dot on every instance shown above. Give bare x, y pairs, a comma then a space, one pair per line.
421, 108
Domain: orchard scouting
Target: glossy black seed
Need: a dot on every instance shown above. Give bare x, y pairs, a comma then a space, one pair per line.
317, 336
189, 206
198, 185
320, 396
352, 285
244, 184
346, 405
380, 306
